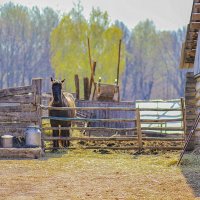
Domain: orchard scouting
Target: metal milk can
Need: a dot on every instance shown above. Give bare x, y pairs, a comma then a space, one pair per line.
33, 136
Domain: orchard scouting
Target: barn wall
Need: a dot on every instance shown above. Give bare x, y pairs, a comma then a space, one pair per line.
190, 105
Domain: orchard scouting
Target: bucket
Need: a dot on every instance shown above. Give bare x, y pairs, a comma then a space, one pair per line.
7, 141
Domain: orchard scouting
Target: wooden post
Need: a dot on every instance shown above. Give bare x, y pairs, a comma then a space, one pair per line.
86, 88
119, 53
92, 77
76, 79
90, 60
139, 131
37, 88
184, 115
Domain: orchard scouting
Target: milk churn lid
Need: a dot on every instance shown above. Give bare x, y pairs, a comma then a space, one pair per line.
7, 136
33, 126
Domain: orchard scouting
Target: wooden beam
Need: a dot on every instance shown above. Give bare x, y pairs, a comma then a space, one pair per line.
192, 35
18, 108
76, 79
195, 25
18, 99
18, 116
195, 16
109, 108
113, 139
191, 45
190, 52
139, 131
90, 129
16, 91
196, 6
86, 88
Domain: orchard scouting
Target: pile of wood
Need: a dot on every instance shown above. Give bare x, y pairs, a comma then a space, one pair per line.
19, 108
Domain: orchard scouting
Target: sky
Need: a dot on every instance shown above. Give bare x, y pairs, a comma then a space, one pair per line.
166, 14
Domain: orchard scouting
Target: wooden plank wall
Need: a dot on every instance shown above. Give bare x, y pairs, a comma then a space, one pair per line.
190, 105
108, 114
19, 108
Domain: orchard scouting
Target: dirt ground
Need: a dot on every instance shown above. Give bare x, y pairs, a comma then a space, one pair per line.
82, 174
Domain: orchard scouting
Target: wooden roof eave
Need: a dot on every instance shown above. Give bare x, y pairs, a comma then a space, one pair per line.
188, 51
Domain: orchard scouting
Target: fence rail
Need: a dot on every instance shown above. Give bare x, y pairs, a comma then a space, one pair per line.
139, 133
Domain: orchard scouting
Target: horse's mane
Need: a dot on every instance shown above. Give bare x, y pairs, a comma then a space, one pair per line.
70, 100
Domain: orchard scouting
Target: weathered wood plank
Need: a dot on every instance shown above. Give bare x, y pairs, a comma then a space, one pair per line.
18, 116
88, 108
196, 5
14, 132
190, 52
191, 116
195, 25
139, 130
77, 86
127, 148
195, 16
190, 74
163, 128
88, 119
21, 153
109, 108
160, 120
18, 99
16, 91
190, 45
19, 108
15, 124
191, 85
112, 139
192, 35
89, 128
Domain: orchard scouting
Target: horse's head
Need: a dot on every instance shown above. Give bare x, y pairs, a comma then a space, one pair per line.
57, 90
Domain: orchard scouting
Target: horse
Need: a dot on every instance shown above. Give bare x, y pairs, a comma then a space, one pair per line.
61, 99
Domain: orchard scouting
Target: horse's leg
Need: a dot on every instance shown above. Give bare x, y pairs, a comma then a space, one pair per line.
65, 133
55, 134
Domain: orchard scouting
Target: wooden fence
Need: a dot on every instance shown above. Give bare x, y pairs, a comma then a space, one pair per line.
19, 108
137, 138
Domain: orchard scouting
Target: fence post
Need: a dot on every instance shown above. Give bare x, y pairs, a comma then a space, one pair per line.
139, 131
76, 79
37, 87
86, 88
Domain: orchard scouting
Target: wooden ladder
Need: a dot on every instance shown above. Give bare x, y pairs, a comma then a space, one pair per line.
189, 137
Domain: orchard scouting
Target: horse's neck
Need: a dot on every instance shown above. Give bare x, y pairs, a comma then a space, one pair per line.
62, 103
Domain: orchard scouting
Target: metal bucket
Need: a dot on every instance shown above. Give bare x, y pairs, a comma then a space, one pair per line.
7, 141
33, 136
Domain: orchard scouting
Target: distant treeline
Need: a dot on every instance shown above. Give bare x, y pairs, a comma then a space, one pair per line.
42, 43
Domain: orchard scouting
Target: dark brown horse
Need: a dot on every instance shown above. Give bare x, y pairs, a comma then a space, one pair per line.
61, 99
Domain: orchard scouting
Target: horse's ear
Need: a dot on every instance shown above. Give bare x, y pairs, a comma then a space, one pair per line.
51, 79
63, 81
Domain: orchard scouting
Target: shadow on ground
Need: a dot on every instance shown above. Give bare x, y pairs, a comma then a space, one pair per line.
190, 167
